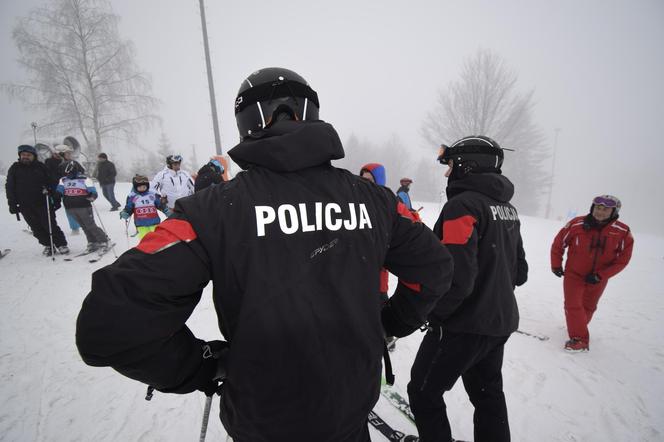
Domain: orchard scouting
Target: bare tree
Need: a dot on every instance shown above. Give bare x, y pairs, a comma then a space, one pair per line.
81, 74
485, 101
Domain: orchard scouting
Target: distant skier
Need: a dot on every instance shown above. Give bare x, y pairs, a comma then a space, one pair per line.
143, 204
211, 174
28, 183
471, 323
172, 182
402, 193
78, 194
599, 247
106, 174
293, 246
65, 152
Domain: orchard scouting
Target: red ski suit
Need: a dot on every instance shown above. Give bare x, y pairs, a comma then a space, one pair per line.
604, 250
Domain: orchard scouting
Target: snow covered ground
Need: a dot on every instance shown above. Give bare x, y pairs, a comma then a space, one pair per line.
612, 393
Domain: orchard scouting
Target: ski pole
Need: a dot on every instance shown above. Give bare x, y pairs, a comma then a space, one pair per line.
206, 417
103, 228
50, 229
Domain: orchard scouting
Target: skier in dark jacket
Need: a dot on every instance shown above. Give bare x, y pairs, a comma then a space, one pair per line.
294, 247
402, 193
470, 324
106, 174
28, 184
211, 174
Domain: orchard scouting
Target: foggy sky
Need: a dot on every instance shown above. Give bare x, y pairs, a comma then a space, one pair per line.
597, 68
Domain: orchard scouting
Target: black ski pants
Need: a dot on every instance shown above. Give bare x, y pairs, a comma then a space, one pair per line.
85, 218
445, 356
37, 218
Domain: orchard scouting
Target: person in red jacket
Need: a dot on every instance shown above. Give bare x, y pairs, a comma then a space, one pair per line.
599, 247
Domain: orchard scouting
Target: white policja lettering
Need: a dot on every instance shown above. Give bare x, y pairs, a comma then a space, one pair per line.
330, 216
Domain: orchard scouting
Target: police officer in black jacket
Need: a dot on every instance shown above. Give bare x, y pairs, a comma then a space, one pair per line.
294, 247
470, 324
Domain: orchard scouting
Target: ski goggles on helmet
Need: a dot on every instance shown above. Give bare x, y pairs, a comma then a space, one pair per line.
442, 157
606, 201
176, 158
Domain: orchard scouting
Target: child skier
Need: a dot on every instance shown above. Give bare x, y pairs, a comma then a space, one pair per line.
78, 194
143, 204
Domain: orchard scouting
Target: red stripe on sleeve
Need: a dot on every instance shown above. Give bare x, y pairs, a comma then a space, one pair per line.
167, 234
458, 230
416, 287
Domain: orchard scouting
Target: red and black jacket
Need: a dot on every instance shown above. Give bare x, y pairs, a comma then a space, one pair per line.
295, 297
481, 229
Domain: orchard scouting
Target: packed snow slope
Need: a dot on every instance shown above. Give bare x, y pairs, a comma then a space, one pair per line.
612, 393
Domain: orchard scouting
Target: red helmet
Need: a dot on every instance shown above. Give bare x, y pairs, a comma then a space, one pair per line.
405, 181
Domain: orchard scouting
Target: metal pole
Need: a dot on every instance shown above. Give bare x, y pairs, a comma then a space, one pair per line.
50, 228
553, 169
34, 130
206, 418
213, 101
108, 238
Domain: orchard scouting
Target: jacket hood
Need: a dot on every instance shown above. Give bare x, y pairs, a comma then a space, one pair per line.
288, 146
493, 185
377, 171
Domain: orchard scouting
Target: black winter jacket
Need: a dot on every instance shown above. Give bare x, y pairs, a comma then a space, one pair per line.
481, 229
53, 165
25, 184
106, 172
294, 248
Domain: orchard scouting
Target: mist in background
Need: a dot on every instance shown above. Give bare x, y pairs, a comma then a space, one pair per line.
596, 68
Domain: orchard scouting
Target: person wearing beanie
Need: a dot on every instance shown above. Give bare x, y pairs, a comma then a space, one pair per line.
402, 193
28, 185
598, 248
106, 174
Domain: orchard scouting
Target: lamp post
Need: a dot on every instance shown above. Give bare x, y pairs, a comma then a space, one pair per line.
34, 130
208, 64
556, 131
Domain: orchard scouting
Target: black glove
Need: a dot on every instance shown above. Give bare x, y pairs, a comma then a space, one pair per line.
593, 278
558, 271
211, 371
13, 209
392, 324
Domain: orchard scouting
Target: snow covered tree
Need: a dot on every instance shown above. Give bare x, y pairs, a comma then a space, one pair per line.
81, 74
485, 101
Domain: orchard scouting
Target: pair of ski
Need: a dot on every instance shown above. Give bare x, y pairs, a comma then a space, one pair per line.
98, 254
390, 433
400, 403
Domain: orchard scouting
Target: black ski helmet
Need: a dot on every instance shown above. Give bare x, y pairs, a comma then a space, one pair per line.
476, 154
173, 159
72, 169
140, 180
272, 94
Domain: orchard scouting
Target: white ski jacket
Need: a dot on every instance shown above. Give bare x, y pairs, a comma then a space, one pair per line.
172, 185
